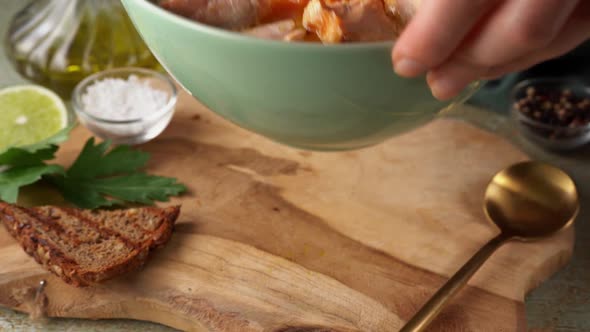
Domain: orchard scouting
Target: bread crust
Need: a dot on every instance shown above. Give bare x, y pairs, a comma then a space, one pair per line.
58, 262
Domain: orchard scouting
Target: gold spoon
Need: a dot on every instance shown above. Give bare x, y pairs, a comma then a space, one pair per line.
527, 201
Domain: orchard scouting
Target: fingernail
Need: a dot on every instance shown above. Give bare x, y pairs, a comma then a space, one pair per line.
409, 68
444, 88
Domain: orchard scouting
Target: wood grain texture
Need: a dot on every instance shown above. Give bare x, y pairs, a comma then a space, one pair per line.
276, 239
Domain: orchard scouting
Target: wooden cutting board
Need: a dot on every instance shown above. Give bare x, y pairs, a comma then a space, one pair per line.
276, 239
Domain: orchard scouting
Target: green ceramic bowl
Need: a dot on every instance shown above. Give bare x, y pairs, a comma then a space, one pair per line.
301, 94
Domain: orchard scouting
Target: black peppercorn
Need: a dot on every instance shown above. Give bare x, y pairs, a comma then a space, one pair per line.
557, 108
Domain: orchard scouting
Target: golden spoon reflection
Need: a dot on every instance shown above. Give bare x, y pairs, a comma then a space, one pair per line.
527, 201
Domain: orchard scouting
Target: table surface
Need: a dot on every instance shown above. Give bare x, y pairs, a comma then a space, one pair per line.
560, 304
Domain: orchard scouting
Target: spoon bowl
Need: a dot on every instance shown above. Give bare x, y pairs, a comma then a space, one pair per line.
527, 201
531, 200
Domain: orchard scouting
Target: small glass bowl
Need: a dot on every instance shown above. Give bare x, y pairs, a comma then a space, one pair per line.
551, 137
132, 131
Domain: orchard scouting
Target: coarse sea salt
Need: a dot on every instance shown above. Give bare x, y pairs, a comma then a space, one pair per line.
117, 99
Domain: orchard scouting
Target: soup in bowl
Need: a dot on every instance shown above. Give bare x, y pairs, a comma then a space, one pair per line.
308, 93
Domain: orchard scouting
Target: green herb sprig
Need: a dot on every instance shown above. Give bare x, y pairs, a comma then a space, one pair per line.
100, 176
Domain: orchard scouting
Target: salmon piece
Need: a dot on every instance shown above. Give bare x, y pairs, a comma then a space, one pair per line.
402, 11
236, 14
286, 30
227, 14
280, 10
336, 21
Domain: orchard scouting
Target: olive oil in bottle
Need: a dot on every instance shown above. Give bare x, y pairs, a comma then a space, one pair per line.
57, 43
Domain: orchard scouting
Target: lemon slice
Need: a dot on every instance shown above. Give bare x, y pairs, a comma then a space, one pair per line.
29, 114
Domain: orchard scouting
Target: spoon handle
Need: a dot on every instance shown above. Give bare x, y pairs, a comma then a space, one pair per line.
442, 297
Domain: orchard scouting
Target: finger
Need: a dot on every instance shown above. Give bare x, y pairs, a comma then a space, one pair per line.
435, 32
451, 78
573, 34
518, 28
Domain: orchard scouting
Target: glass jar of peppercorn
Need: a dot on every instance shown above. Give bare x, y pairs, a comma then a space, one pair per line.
553, 112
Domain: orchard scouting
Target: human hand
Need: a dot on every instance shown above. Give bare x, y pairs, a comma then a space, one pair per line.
458, 41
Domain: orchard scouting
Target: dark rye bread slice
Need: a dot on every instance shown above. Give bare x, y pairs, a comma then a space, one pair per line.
83, 246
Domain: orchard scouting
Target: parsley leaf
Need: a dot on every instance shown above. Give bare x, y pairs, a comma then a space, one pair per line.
94, 161
14, 178
17, 157
34, 154
100, 178
21, 166
60, 137
134, 188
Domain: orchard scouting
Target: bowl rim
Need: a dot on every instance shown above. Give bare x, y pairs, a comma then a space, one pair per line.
565, 81
169, 107
240, 37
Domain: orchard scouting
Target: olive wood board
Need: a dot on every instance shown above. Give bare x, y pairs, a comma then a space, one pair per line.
272, 238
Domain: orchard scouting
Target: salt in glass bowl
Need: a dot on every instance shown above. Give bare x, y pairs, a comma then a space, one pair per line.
131, 131
550, 137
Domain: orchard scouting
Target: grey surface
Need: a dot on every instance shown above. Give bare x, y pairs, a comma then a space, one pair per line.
561, 304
